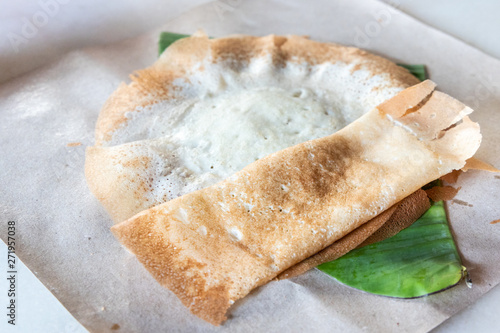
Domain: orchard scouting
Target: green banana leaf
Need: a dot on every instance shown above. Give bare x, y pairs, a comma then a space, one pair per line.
417, 70
167, 38
418, 261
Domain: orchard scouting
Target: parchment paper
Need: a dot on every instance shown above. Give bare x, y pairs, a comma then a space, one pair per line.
64, 233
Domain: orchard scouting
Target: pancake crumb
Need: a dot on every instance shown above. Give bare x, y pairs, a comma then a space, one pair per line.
463, 203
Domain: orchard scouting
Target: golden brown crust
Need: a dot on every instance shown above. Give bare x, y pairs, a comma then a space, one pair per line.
152, 246
215, 245
155, 83
452, 177
438, 193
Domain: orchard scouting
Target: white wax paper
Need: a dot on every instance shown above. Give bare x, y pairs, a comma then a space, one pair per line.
64, 232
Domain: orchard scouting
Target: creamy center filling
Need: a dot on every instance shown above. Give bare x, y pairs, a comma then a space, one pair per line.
225, 133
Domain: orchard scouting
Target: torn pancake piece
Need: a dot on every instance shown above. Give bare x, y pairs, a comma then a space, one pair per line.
213, 246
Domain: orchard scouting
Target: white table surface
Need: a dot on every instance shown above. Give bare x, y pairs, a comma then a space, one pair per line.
71, 24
